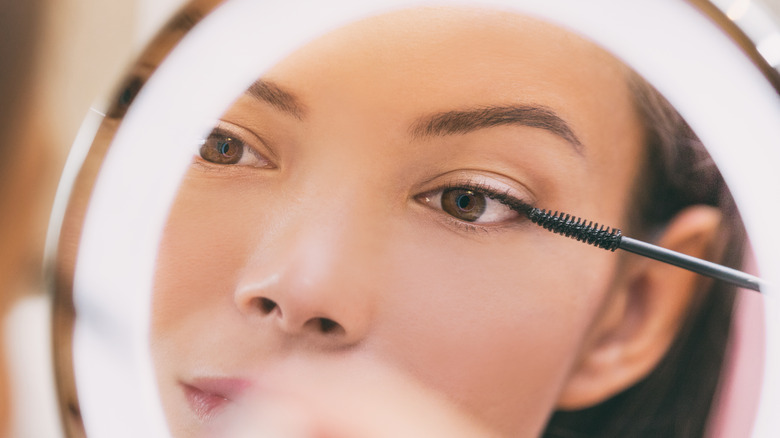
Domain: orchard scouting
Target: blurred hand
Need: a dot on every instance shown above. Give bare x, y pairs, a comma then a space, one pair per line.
329, 399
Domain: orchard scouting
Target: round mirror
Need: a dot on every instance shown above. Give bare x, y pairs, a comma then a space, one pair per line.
318, 224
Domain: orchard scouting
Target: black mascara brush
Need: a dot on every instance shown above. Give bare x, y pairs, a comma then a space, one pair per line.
612, 239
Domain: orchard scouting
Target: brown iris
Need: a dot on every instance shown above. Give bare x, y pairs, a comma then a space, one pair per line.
465, 205
222, 149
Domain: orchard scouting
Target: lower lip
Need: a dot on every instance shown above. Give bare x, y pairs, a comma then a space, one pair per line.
207, 397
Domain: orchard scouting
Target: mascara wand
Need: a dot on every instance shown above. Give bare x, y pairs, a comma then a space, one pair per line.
612, 239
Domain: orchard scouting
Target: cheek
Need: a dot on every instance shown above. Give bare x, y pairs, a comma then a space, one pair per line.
204, 248
495, 326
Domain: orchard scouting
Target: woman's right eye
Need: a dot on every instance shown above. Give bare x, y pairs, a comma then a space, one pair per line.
224, 148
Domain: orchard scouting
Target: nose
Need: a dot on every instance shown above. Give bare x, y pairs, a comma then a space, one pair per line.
311, 281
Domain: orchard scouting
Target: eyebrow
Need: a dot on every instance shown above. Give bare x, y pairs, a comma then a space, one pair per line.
463, 122
277, 97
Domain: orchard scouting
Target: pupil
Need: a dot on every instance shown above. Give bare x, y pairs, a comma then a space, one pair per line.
464, 201
224, 148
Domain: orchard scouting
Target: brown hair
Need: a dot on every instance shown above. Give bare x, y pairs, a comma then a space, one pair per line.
675, 399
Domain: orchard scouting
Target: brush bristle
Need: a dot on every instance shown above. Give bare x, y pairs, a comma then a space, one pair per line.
576, 228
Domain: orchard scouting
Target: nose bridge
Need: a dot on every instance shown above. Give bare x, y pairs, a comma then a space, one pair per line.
312, 274
331, 234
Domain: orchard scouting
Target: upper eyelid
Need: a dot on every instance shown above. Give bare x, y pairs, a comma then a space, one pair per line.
501, 195
242, 132
480, 179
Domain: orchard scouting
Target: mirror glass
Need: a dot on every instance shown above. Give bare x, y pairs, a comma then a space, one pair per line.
315, 227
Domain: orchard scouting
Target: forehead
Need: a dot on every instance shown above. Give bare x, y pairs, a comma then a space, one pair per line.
398, 66
428, 58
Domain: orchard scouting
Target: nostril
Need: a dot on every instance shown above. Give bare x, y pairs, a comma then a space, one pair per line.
320, 324
266, 305
329, 326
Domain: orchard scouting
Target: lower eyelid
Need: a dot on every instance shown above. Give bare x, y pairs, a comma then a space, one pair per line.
477, 228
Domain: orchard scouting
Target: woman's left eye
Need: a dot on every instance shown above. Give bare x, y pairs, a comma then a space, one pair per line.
470, 205
224, 148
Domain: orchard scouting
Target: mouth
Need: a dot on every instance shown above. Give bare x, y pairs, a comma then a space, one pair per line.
208, 396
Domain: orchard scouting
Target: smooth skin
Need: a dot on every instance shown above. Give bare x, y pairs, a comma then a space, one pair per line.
328, 239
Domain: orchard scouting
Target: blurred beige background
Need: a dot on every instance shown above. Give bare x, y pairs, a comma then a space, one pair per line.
80, 49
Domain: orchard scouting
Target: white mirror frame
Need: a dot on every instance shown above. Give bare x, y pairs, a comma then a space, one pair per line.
723, 96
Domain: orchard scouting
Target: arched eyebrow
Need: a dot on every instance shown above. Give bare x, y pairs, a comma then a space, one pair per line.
463, 122
277, 97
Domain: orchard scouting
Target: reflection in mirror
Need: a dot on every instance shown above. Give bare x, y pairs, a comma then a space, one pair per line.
345, 208
344, 248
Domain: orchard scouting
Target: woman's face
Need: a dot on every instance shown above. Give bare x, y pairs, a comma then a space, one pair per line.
353, 205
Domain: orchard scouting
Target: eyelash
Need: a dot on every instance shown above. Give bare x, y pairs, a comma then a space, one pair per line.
515, 204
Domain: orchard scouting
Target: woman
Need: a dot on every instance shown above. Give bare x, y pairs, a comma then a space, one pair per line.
354, 207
